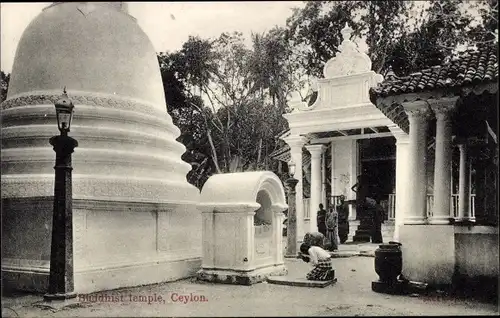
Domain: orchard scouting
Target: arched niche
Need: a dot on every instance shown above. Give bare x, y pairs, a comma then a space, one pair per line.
263, 225
264, 214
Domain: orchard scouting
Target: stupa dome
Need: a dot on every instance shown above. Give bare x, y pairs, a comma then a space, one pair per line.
127, 141
88, 47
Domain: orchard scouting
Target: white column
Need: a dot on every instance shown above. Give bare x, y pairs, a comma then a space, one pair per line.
464, 185
296, 143
316, 152
323, 180
332, 172
278, 217
442, 163
402, 176
417, 161
452, 185
353, 178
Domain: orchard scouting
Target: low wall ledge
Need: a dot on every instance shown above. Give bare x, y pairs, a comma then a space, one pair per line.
476, 229
224, 207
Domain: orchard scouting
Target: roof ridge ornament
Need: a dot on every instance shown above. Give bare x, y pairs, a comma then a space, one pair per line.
349, 60
346, 33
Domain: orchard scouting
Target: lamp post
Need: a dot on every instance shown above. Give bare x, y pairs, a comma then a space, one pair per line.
61, 284
291, 228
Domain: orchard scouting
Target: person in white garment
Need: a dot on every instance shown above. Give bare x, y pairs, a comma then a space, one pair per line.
320, 259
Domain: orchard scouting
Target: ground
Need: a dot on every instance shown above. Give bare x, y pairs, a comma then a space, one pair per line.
350, 296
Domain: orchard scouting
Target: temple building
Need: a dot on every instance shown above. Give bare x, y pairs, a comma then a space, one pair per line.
135, 219
428, 143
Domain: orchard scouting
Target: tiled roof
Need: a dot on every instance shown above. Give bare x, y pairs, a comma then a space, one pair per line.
280, 151
468, 68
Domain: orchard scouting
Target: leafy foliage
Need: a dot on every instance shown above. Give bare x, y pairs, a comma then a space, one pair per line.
227, 100
4, 85
403, 35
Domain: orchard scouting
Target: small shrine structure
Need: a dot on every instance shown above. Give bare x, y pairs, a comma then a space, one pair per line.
242, 227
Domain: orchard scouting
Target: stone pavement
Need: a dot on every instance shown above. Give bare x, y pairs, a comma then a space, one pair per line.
350, 296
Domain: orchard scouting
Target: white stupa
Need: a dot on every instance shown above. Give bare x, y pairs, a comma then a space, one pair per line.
135, 220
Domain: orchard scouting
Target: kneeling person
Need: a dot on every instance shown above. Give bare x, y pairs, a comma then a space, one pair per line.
320, 259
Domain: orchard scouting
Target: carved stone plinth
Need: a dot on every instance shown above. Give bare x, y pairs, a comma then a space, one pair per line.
236, 277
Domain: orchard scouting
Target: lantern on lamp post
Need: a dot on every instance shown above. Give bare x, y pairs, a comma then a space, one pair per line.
61, 283
291, 228
64, 113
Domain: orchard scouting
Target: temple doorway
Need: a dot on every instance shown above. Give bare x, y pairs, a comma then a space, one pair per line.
378, 162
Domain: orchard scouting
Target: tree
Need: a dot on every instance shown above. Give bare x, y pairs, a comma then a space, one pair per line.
274, 66
314, 31
403, 35
187, 110
4, 85
227, 100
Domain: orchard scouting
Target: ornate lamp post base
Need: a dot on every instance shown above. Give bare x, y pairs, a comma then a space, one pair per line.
65, 296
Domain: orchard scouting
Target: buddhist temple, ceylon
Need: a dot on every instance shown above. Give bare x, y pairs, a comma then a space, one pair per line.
134, 213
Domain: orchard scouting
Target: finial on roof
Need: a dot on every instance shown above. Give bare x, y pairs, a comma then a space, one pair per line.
346, 32
117, 5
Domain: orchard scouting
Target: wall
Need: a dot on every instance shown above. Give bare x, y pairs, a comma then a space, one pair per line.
476, 251
115, 244
436, 254
344, 167
428, 253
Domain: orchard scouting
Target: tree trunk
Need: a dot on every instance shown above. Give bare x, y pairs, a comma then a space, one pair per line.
259, 152
214, 153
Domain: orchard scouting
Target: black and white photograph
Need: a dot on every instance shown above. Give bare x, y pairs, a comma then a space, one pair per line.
249, 158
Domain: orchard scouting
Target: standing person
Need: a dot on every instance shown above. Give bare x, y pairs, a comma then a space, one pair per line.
377, 214
343, 221
332, 229
321, 220
361, 188
320, 259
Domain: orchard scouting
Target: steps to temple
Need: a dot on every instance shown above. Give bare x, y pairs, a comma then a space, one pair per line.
387, 230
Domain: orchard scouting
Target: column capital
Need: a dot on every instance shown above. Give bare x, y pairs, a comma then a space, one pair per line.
462, 145
444, 113
418, 113
444, 107
415, 105
295, 141
399, 134
316, 150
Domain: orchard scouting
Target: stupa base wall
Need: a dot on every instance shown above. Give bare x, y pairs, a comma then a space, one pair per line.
26, 278
115, 244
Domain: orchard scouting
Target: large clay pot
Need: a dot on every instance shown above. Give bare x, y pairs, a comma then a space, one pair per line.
388, 262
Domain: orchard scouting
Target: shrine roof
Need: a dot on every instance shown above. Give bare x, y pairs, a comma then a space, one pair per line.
474, 66
468, 68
